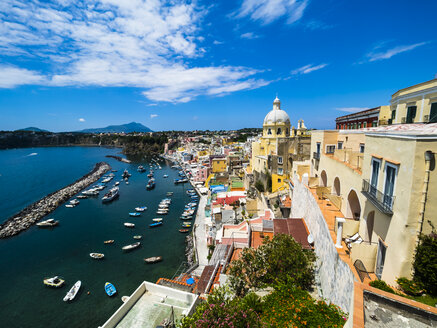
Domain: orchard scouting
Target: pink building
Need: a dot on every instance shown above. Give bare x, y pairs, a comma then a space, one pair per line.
202, 174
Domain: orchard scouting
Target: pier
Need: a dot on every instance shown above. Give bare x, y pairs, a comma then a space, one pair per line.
119, 158
34, 212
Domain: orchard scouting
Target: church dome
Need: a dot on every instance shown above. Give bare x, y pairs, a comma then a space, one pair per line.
276, 115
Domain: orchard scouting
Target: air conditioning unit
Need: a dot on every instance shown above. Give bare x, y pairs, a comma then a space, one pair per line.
425, 118
403, 120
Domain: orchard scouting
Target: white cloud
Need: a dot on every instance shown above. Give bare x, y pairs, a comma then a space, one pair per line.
249, 35
153, 115
217, 42
375, 55
307, 69
351, 109
81, 120
146, 44
268, 11
11, 77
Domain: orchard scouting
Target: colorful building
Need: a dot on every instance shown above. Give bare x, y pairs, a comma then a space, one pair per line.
364, 119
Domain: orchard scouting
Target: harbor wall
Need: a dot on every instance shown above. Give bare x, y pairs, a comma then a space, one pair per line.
34, 212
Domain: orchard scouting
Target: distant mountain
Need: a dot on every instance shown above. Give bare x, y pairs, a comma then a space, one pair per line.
32, 128
126, 128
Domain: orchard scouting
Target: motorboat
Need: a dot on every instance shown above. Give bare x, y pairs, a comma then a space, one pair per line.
55, 282
90, 192
169, 193
184, 230
117, 183
157, 220
165, 176
164, 206
186, 218
48, 223
69, 206
156, 224
73, 291
186, 224
141, 169
162, 212
110, 289
129, 225
110, 241
97, 256
138, 237
176, 181
74, 202
153, 259
141, 209
134, 214
100, 187
150, 184
112, 194
131, 246
126, 174
81, 196
150, 175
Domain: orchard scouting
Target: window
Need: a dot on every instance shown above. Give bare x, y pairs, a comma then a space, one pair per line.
374, 123
340, 145
269, 131
389, 187
393, 115
279, 131
362, 148
286, 132
365, 125
376, 164
330, 149
411, 114
280, 171
318, 148
433, 113
280, 160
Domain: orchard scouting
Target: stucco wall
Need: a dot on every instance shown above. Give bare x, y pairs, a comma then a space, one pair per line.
336, 279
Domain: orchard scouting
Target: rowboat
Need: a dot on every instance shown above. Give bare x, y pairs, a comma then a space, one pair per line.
129, 225
97, 256
134, 214
131, 246
156, 224
55, 282
153, 259
157, 219
184, 230
73, 291
110, 289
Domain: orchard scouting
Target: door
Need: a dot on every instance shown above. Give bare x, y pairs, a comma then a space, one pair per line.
411, 114
375, 174
433, 113
380, 258
390, 175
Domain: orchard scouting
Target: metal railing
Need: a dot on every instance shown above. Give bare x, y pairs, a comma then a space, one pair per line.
382, 201
316, 155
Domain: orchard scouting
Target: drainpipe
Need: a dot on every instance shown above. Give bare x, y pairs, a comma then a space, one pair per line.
429, 156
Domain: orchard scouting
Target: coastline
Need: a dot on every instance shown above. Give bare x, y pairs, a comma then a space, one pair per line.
37, 210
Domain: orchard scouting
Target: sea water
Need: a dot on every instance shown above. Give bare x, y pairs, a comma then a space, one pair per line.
28, 174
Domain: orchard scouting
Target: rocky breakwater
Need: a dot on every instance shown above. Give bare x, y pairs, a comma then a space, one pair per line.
34, 212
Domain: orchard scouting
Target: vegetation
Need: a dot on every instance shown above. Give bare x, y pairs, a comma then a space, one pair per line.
259, 186
425, 263
410, 287
271, 263
381, 284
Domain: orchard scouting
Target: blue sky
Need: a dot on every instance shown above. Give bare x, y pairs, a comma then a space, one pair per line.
67, 65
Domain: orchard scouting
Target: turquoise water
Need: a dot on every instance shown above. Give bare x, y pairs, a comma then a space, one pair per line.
37, 253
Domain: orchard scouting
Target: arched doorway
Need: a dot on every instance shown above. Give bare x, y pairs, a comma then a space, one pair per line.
369, 222
323, 179
353, 205
337, 190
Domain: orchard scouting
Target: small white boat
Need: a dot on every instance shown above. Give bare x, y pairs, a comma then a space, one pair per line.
69, 205
55, 282
117, 183
141, 209
157, 220
97, 256
129, 225
138, 237
131, 246
165, 176
47, 223
110, 241
73, 291
74, 202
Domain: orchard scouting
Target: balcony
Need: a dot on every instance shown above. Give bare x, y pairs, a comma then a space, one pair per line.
381, 201
353, 159
316, 155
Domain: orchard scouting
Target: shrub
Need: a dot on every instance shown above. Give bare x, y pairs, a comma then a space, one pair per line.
425, 263
409, 286
259, 186
381, 284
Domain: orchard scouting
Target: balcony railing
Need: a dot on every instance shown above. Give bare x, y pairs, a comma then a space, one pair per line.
382, 201
316, 155
353, 158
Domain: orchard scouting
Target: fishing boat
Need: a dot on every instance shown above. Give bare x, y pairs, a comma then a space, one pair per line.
157, 220
138, 237
47, 223
81, 196
184, 230
156, 224
110, 241
153, 259
131, 246
134, 214
55, 282
97, 256
129, 225
110, 289
111, 195
141, 209
73, 291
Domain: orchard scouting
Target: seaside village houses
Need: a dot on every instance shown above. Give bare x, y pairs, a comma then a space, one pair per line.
359, 196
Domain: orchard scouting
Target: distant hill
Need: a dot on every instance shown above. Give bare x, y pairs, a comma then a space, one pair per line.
32, 128
126, 128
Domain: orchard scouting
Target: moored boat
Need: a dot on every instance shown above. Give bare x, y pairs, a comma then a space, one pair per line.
73, 291
111, 195
186, 224
165, 176
81, 196
134, 214
129, 225
141, 169
153, 259
47, 223
156, 224
131, 246
138, 237
110, 241
110, 289
97, 256
74, 202
169, 193
141, 209
55, 282
184, 230
157, 220
69, 206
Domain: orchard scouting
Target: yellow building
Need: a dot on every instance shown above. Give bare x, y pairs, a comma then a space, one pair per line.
383, 180
219, 165
415, 104
270, 152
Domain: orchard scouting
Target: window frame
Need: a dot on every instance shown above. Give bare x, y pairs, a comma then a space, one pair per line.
326, 149
379, 161
280, 160
280, 169
396, 168
339, 145
362, 148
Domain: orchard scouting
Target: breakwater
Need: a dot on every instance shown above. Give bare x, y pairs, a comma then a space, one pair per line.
34, 212
118, 158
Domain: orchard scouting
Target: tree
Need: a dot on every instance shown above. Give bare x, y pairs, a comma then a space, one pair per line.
281, 259
259, 186
425, 263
